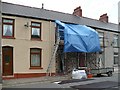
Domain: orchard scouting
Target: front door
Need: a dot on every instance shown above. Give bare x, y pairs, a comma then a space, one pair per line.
7, 56
82, 61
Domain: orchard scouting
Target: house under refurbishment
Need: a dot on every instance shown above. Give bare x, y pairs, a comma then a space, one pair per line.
29, 35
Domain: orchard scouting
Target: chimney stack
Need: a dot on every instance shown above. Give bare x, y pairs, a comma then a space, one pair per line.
104, 18
78, 11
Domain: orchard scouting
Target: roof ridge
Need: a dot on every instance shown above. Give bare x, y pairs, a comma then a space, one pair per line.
35, 8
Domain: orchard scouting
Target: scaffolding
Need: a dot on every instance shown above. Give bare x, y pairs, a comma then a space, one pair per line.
48, 72
69, 61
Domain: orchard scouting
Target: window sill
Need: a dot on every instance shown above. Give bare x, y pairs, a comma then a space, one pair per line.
115, 65
36, 39
8, 37
115, 47
35, 68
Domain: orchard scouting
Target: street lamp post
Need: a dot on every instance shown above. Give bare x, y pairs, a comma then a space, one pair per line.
0, 41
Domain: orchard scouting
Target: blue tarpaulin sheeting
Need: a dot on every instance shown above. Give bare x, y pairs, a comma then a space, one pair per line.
79, 38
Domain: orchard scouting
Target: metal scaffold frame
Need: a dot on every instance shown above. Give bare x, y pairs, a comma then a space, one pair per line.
49, 71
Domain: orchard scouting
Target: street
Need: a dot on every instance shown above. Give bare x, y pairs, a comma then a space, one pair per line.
96, 83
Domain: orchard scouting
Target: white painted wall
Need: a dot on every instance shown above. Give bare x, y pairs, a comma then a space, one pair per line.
119, 11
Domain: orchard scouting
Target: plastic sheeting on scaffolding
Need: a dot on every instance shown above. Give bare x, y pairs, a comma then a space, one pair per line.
79, 38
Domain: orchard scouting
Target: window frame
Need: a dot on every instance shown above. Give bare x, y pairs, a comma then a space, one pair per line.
115, 38
101, 37
34, 53
7, 23
38, 27
115, 56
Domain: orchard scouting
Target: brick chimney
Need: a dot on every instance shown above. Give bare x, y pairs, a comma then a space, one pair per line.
104, 18
78, 11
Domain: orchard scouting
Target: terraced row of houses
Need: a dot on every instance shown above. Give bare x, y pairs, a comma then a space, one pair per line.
28, 38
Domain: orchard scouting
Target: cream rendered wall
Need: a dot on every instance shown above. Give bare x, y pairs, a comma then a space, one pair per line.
22, 44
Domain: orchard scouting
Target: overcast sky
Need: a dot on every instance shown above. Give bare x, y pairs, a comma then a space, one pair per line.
91, 8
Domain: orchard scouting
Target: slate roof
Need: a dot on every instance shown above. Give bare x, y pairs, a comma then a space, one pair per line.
32, 12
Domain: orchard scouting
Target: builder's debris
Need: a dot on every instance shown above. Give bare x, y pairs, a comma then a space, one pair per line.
79, 74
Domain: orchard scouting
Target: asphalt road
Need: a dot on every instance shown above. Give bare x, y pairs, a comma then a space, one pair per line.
98, 83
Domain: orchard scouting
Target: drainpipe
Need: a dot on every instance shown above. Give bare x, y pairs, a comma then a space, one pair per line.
0, 42
119, 35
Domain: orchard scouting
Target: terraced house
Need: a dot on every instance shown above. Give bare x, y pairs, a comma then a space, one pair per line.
28, 38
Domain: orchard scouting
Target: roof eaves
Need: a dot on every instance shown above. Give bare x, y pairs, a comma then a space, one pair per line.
32, 12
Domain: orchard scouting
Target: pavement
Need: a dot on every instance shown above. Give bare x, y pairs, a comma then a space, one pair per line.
45, 79
0, 86
52, 81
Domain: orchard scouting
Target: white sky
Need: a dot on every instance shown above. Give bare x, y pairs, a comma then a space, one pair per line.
91, 8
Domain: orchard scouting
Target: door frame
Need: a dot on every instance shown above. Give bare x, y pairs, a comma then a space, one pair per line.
3, 61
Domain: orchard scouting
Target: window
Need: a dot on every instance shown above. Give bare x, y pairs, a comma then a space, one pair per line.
35, 30
115, 40
35, 57
8, 28
115, 58
101, 38
61, 29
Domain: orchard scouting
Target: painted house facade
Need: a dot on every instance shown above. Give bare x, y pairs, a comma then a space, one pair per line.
28, 38
16, 59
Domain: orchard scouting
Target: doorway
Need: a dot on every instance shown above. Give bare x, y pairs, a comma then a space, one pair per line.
7, 60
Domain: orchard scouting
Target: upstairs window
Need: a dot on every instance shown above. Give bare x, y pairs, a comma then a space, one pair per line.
36, 30
101, 38
7, 28
61, 29
115, 40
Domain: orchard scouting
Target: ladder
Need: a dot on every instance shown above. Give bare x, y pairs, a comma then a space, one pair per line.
48, 72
